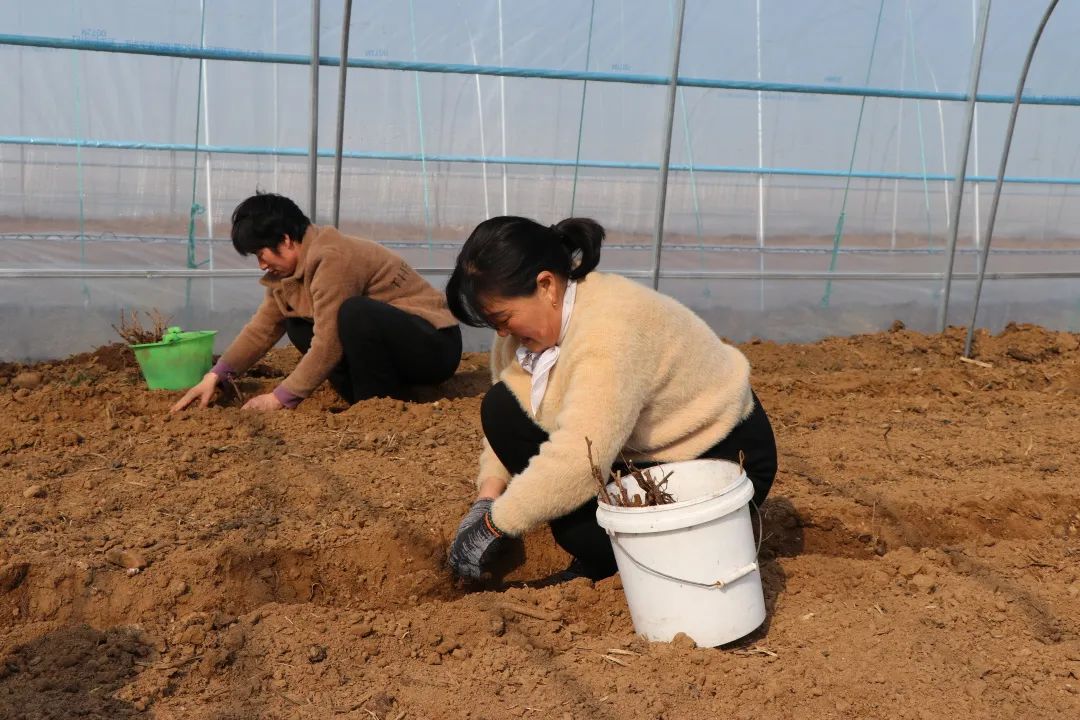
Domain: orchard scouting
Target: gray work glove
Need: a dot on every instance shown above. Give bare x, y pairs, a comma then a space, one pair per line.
477, 540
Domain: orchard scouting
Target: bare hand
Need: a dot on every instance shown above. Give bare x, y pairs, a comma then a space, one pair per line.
263, 403
491, 488
202, 392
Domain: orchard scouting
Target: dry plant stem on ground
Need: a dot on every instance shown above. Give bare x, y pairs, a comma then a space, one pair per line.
132, 330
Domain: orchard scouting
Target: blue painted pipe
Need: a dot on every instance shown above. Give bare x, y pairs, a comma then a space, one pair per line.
540, 162
196, 53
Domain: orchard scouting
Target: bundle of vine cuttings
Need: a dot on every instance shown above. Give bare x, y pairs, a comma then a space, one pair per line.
134, 333
653, 492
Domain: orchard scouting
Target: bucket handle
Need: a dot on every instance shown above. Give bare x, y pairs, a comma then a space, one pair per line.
760, 527
736, 574
721, 583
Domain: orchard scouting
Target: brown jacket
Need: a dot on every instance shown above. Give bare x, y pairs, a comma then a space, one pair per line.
332, 268
639, 374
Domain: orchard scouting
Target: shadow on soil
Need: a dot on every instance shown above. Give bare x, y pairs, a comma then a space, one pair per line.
71, 672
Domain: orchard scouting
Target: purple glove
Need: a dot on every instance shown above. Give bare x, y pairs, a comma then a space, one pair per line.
476, 542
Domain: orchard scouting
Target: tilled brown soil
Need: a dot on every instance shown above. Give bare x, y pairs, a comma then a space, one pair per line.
919, 559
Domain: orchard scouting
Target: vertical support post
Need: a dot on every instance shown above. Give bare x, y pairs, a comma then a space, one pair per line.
581, 113
343, 72
961, 166
206, 141
760, 161
919, 129
985, 254
277, 111
665, 153
479, 113
502, 112
209, 170
944, 147
899, 141
420, 129
77, 73
194, 208
23, 194
313, 140
976, 233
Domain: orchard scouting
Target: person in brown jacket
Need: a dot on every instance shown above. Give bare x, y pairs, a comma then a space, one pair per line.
359, 314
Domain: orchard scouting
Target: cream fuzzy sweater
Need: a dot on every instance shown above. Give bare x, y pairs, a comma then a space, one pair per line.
639, 373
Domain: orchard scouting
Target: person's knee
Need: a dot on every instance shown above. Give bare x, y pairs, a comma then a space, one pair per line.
299, 332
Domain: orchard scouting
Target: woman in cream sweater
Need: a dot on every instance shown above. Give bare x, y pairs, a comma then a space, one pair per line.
587, 355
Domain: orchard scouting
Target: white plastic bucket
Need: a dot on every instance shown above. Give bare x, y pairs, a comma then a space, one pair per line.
690, 566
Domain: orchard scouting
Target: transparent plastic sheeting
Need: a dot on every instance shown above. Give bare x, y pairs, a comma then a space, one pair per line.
104, 162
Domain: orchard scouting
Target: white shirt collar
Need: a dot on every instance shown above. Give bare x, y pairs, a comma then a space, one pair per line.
540, 364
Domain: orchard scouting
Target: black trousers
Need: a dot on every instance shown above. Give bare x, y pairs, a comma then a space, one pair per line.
515, 438
385, 349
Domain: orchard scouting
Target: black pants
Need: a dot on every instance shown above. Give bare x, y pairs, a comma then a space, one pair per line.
515, 438
385, 349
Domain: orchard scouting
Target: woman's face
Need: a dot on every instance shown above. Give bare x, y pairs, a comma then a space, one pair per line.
280, 262
534, 320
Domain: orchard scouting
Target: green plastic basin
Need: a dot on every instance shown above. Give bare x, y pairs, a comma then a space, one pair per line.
178, 361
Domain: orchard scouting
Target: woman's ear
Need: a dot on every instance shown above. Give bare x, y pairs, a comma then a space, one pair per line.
546, 286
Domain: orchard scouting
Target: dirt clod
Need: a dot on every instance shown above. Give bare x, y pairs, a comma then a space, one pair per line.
683, 642
177, 588
127, 559
12, 575
34, 491
923, 583
27, 380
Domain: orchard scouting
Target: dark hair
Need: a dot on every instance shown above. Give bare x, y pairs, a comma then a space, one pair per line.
263, 221
503, 256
